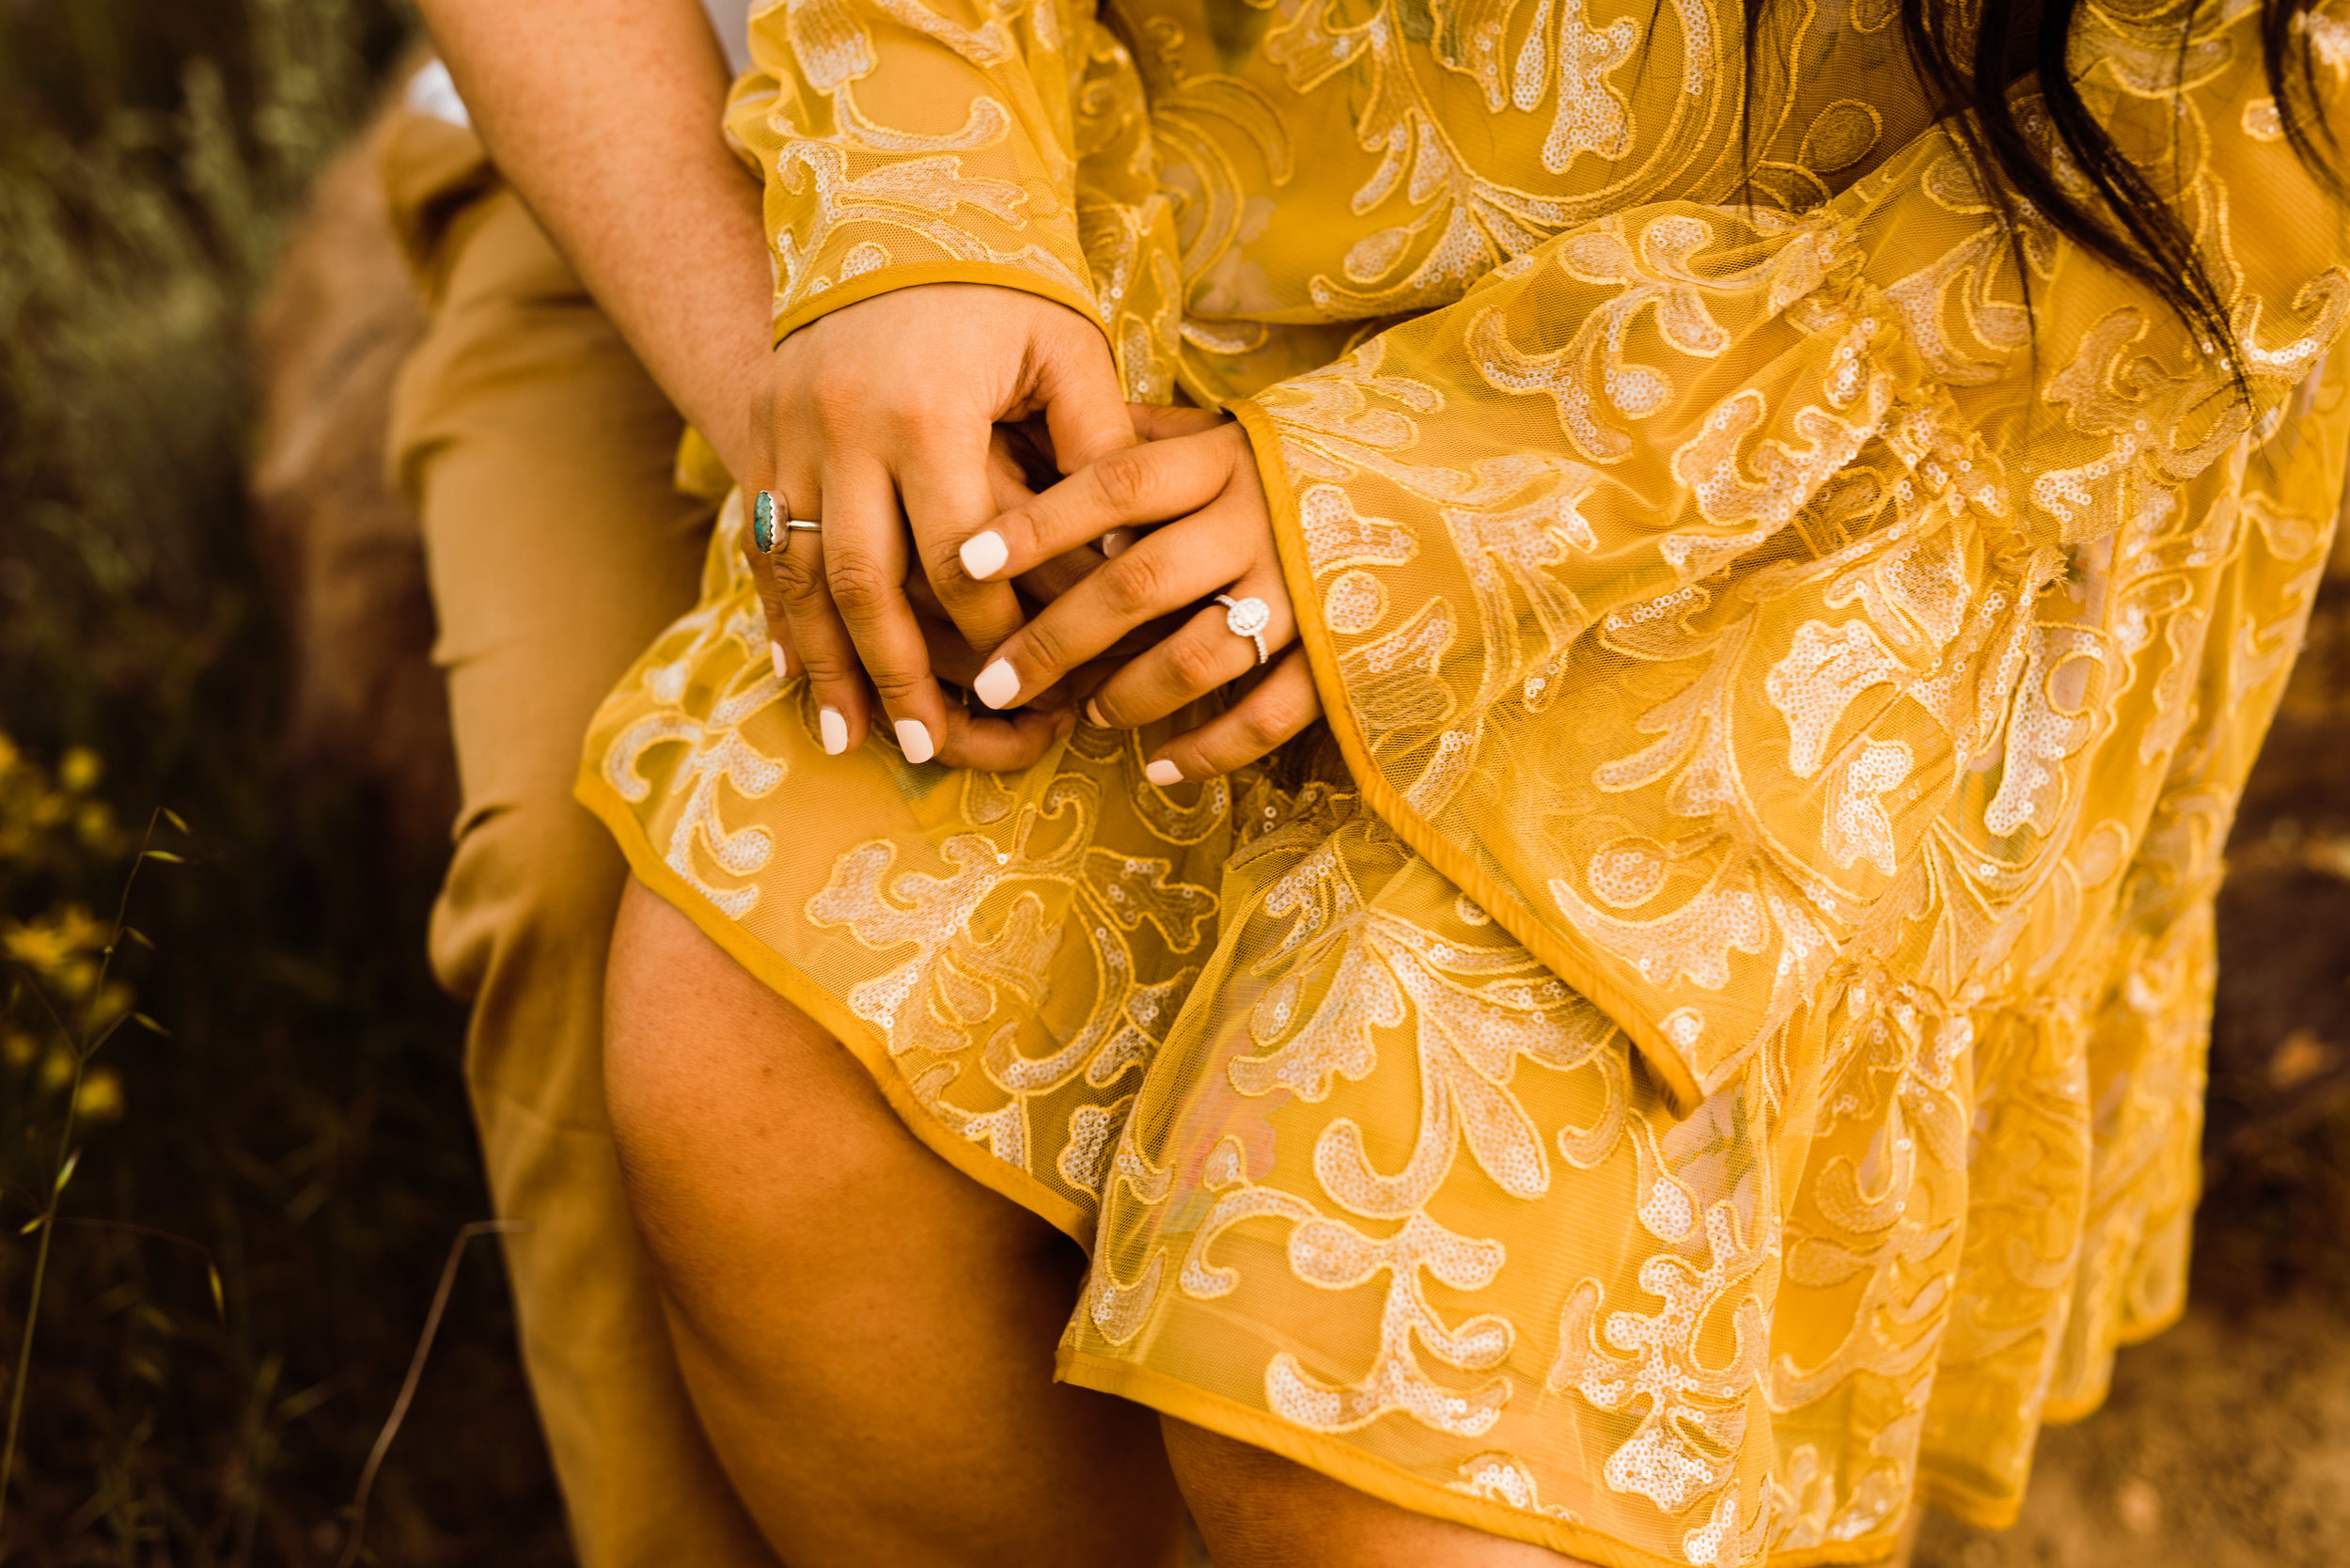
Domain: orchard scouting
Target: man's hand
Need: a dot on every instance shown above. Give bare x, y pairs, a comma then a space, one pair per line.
880, 422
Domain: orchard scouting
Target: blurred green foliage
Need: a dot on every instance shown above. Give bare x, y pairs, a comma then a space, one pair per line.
304, 1127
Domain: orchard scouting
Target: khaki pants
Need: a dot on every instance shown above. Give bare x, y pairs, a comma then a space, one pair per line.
538, 455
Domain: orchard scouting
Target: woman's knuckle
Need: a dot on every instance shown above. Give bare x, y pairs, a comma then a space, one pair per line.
859, 586
1194, 666
942, 563
1124, 478
1042, 648
796, 580
916, 413
824, 667
1045, 649
896, 688
1266, 724
1197, 760
1131, 582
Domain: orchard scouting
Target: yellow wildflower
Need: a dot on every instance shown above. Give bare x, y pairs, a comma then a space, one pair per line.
80, 769
94, 824
99, 1098
53, 942
112, 1003
57, 1067
75, 977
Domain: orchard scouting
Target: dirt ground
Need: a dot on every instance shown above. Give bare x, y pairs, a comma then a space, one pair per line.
2226, 1445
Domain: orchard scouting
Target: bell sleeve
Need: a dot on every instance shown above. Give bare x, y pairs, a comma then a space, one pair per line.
918, 141
1705, 592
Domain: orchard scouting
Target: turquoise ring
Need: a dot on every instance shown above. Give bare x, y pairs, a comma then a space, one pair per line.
769, 523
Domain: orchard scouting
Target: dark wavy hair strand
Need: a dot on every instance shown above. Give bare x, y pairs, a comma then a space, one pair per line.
1970, 62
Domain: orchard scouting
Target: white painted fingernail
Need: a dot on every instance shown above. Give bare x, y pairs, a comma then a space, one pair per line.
1118, 541
1163, 773
1093, 714
915, 739
835, 731
782, 661
998, 685
984, 553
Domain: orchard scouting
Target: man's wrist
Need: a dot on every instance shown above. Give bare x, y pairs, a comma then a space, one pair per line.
720, 404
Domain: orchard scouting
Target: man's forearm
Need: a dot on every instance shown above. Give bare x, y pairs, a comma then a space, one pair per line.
605, 116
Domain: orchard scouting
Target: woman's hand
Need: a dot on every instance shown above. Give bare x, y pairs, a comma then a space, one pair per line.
1219, 541
880, 422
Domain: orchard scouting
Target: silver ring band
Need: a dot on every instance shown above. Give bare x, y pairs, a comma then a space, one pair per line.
1247, 618
769, 522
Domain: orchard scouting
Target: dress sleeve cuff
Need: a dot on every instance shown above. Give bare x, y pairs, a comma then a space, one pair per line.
883, 280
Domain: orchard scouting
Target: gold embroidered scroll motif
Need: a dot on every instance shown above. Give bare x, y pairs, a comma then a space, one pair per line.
1728, 1061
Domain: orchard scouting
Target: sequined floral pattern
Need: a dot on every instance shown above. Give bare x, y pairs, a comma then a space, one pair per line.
1725, 1061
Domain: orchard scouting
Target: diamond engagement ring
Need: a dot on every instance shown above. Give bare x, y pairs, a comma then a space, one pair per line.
1247, 618
765, 516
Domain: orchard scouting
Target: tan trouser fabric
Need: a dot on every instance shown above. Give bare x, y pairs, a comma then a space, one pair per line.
539, 454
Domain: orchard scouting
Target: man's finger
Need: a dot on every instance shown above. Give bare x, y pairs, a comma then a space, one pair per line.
1006, 472
1165, 421
1077, 387
1002, 743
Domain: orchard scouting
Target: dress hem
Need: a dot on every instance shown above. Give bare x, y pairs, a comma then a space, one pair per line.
1987, 1511
1390, 1484
1169, 1394
779, 975
1967, 1505
2073, 1412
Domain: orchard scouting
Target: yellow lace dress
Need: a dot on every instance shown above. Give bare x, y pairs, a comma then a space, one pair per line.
1726, 1060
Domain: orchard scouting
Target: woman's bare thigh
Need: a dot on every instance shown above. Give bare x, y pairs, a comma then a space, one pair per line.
867, 1332
1257, 1509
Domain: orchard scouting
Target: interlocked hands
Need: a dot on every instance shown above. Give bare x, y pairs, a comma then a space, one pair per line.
918, 425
